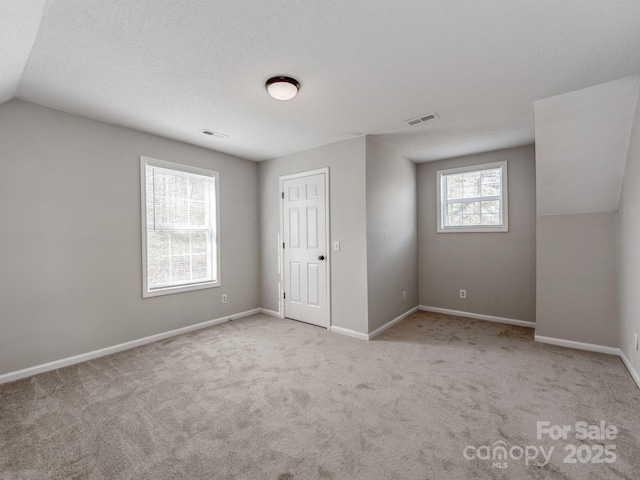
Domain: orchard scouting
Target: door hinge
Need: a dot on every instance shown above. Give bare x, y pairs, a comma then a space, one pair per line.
283, 245
285, 295
283, 195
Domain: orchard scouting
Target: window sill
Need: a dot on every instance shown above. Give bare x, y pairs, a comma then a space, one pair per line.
502, 229
178, 289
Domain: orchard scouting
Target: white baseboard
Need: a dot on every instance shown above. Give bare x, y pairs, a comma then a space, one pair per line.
391, 323
349, 333
590, 347
271, 313
378, 331
65, 362
479, 316
632, 371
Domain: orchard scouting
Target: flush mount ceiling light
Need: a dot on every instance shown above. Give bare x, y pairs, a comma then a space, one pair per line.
282, 88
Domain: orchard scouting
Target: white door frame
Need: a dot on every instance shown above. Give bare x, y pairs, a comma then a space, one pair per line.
327, 255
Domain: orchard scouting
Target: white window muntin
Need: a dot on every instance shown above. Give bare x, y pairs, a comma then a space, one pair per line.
443, 200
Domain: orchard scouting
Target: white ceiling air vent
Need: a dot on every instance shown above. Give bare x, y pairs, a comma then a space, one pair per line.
211, 133
422, 119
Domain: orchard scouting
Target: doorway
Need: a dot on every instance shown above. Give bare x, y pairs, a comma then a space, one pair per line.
304, 227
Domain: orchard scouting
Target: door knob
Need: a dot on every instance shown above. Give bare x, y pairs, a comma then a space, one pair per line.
321, 257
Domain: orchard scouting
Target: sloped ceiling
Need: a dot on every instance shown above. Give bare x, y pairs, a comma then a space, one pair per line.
174, 67
582, 139
19, 22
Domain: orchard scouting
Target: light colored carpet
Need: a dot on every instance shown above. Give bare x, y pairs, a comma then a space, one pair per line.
266, 398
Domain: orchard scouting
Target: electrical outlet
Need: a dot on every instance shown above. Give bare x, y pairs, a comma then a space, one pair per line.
224, 298
635, 341
463, 294
404, 296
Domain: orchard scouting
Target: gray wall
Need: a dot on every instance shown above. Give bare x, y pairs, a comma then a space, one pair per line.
576, 273
70, 276
392, 234
629, 248
346, 162
498, 270
582, 143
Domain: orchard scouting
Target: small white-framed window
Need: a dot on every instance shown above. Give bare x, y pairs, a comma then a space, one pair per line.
473, 199
180, 218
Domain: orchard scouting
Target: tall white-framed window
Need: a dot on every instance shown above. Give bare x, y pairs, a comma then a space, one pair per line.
180, 219
473, 199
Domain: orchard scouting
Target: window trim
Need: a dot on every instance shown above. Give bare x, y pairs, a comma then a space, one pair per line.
144, 161
504, 200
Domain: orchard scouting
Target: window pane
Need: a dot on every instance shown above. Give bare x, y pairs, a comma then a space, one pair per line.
471, 208
180, 213
179, 201
492, 207
454, 186
490, 219
472, 185
491, 180
180, 243
454, 220
200, 267
491, 212
472, 198
454, 214
470, 220
199, 241
176, 185
198, 214
197, 190
455, 208
159, 182
149, 197
180, 268
158, 243
159, 271
161, 209
471, 214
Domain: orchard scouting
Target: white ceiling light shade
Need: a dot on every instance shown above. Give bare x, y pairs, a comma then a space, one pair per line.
282, 88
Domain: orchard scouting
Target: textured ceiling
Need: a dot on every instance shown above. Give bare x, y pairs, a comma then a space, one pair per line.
174, 67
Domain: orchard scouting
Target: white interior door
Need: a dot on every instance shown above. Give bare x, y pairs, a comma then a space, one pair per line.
305, 249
